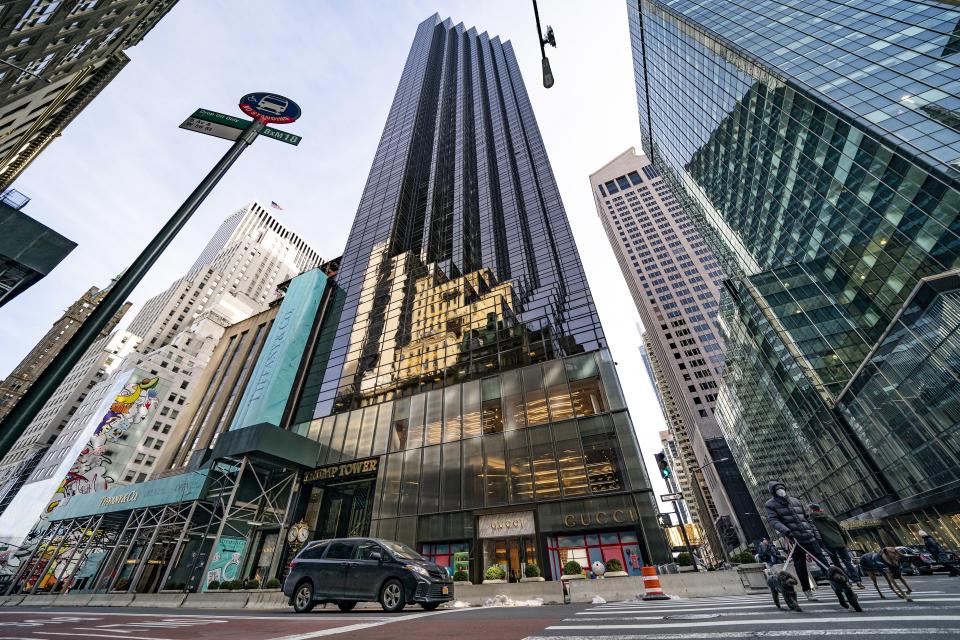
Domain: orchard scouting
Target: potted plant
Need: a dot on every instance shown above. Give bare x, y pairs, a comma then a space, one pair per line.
494, 575
614, 569
273, 583
460, 577
531, 573
214, 585
744, 557
572, 571
685, 562
251, 584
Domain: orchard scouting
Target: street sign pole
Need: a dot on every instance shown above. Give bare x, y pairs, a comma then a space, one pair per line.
30, 404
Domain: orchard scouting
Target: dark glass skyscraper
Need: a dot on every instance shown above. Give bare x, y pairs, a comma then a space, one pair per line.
468, 364
818, 146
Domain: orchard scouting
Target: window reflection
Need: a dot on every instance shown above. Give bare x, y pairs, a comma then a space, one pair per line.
450, 477
514, 416
558, 397
471, 409
451, 413
534, 396
570, 459
434, 428
492, 409
495, 470
547, 484
518, 458
415, 428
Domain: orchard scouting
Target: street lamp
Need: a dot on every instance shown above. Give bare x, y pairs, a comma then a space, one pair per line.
552, 41
710, 463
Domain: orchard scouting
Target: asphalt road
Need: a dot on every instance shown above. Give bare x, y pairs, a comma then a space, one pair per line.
935, 613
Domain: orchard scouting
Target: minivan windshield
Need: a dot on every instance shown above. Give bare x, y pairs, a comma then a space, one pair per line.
401, 551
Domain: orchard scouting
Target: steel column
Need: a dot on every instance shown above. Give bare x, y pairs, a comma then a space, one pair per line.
223, 521
53, 555
176, 547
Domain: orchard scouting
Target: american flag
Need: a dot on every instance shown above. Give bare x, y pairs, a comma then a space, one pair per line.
275, 205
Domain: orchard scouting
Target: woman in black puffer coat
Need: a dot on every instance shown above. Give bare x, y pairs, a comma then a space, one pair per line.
790, 518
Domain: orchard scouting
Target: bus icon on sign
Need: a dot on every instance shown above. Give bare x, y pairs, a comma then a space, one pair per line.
270, 107
273, 104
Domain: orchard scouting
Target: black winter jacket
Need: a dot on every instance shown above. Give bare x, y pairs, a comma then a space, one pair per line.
789, 516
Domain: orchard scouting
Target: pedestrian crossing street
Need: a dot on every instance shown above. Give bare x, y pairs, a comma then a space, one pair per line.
935, 613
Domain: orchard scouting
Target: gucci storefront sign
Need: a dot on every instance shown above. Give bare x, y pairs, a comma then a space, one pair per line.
345, 470
616, 516
503, 525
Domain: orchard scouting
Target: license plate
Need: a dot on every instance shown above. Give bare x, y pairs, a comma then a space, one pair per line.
446, 590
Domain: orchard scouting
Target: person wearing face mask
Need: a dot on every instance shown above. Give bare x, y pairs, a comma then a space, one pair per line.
790, 518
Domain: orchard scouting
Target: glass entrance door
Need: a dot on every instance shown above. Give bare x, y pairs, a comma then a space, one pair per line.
345, 510
511, 554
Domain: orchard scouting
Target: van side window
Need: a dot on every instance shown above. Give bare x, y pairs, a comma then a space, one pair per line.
340, 551
366, 548
315, 552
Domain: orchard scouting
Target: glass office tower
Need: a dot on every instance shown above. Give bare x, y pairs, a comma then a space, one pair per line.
818, 146
465, 401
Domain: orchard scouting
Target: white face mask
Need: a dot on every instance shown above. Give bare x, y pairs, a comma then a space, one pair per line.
782, 493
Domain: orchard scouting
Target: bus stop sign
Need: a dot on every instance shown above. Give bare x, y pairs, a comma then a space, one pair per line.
270, 107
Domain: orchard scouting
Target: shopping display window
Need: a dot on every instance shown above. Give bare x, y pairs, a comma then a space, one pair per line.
452, 556
588, 548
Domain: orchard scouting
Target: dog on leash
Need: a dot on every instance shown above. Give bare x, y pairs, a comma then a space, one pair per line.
782, 583
840, 584
887, 563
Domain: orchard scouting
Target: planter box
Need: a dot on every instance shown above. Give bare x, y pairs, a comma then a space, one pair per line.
536, 579
579, 576
461, 583
494, 582
753, 575
616, 574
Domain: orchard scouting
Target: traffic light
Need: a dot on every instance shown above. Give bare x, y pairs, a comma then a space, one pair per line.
665, 470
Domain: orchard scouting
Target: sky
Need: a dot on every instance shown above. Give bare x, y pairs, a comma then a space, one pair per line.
123, 166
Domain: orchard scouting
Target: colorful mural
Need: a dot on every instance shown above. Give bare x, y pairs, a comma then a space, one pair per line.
135, 405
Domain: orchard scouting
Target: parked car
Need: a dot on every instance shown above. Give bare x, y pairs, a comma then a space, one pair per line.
344, 571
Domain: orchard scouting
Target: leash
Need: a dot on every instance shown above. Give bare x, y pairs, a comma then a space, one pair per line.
815, 559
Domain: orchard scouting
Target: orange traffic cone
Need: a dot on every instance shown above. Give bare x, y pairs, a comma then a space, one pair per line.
651, 585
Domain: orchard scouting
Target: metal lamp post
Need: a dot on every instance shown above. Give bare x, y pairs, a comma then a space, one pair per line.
552, 41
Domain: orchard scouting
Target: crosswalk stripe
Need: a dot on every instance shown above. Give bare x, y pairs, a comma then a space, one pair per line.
807, 608
769, 603
773, 633
778, 621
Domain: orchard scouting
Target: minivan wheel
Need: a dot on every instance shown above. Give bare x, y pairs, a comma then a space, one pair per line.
392, 598
303, 598
429, 606
346, 605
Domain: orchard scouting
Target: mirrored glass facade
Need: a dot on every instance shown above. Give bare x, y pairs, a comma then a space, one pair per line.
464, 394
816, 144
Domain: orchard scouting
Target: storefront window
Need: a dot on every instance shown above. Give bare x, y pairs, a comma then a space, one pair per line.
585, 386
451, 413
415, 431
430, 480
410, 484
587, 549
518, 459
492, 409
600, 454
471, 409
534, 397
558, 396
573, 477
401, 425
513, 413
326, 430
453, 556
434, 428
547, 484
450, 477
495, 470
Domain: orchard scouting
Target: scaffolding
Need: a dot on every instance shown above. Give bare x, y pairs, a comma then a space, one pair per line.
142, 549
